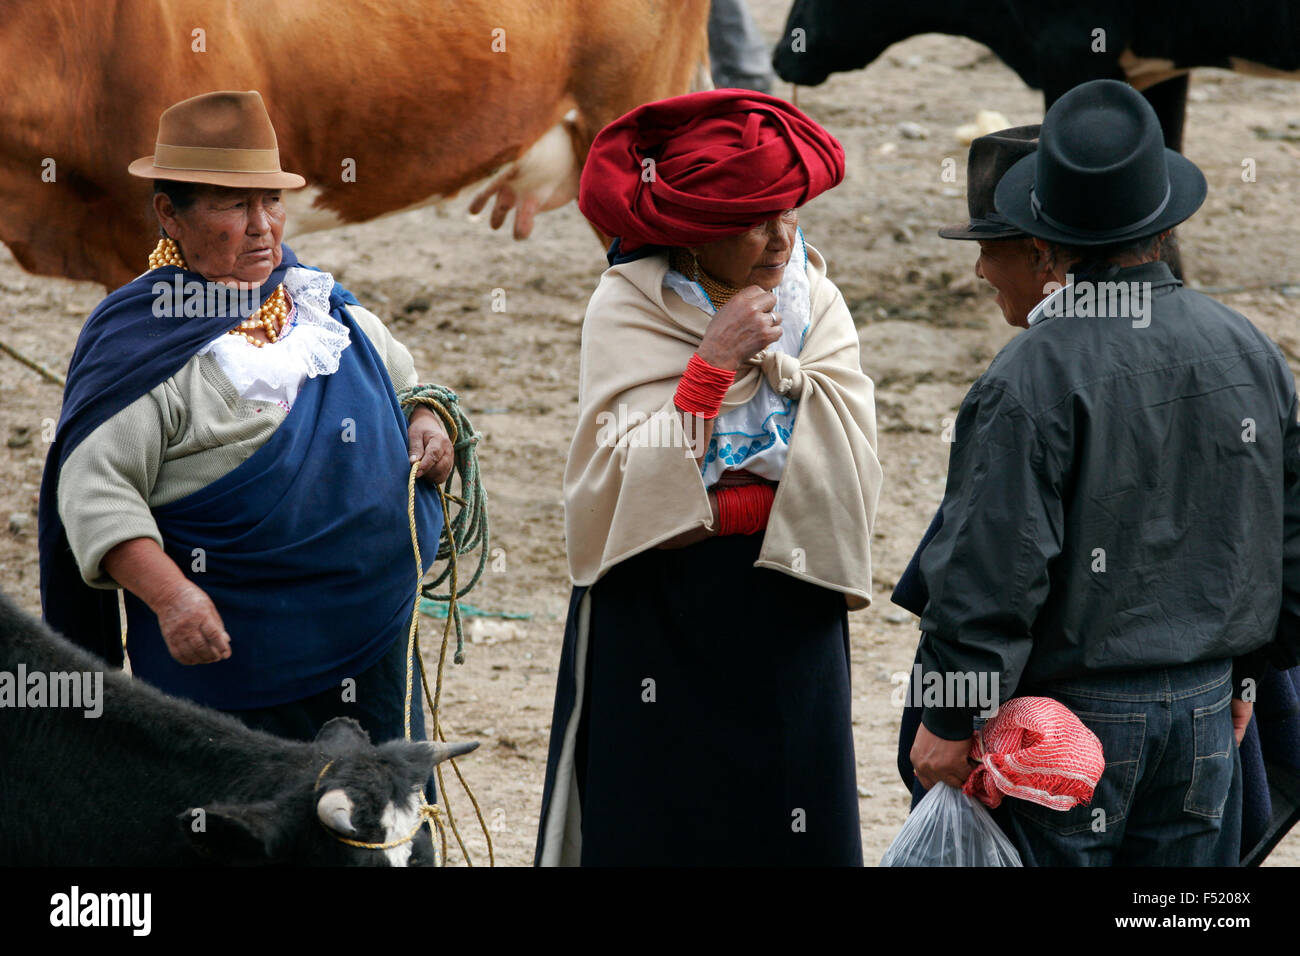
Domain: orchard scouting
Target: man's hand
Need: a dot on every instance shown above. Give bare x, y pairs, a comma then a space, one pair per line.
1241, 711
935, 759
430, 446
192, 627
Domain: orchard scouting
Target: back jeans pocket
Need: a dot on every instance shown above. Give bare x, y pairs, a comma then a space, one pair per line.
1212, 766
1122, 737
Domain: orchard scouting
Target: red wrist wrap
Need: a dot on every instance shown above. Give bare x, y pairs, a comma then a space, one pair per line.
702, 388
744, 508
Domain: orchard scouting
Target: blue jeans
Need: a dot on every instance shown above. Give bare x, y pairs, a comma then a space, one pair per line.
1171, 792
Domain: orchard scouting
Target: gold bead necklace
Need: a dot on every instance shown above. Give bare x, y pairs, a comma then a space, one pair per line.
719, 293
272, 317
166, 253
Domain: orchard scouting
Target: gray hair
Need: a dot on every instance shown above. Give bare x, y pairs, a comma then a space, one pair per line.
1085, 259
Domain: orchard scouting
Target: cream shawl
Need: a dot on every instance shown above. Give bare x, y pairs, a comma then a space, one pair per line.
631, 481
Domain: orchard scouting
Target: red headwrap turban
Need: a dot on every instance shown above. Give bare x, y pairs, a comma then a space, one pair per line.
723, 161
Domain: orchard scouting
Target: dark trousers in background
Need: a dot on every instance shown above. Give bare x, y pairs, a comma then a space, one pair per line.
738, 53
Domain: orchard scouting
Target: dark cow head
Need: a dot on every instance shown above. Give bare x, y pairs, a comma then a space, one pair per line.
365, 793
830, 36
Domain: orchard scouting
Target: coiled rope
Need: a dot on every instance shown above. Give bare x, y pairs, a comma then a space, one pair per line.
468, 530
462, 533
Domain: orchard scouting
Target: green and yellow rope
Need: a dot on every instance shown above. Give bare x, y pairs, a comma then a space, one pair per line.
462, 533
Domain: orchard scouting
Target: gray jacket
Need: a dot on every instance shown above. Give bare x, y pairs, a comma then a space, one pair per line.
1121, 496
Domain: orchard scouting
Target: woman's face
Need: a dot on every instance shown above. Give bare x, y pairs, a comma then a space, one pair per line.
755, 257
227, 235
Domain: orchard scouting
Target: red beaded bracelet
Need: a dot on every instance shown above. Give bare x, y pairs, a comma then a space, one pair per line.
743, 509
702, 388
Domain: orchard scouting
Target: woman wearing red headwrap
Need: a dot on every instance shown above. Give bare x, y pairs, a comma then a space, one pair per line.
719, 493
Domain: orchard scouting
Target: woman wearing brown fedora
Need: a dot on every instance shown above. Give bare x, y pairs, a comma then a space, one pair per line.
232, 453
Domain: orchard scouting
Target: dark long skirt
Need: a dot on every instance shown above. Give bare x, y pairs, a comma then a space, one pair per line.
714, 717
377, 702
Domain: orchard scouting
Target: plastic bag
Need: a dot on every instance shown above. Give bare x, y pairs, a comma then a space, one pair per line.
948, 828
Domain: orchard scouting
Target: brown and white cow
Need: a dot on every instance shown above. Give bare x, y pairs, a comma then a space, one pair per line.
421, 99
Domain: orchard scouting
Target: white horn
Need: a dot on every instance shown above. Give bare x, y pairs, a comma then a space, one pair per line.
445, 751
335, 811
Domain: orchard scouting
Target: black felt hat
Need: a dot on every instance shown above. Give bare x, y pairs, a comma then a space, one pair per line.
1101, 174
990, 157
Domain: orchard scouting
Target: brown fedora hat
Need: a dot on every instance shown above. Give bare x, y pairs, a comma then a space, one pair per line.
223, 138
990, 157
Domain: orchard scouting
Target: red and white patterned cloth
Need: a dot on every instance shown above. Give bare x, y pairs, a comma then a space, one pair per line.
1035, 749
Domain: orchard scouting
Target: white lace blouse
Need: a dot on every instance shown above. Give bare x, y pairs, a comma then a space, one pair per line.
311, 346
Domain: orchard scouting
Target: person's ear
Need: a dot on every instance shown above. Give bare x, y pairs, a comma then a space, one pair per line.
1044, 261
1033, 254
166, 212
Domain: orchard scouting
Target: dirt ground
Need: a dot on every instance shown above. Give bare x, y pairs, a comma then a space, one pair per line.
927, 325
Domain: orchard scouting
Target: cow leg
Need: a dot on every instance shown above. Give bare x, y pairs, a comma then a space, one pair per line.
1169, 100
1073, 47
662, 68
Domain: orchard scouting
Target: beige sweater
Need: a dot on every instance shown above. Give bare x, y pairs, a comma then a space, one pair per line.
178, 437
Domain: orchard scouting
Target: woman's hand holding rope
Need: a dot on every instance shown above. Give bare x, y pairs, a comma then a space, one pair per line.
429, 446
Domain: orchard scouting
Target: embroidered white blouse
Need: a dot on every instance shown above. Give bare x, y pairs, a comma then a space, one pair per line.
756, 436
311, 346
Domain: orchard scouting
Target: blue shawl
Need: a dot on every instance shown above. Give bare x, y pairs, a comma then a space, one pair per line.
291, 566
615, 255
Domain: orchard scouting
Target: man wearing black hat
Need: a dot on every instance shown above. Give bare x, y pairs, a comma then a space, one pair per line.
1121, 522
1017, 271
1008, 260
